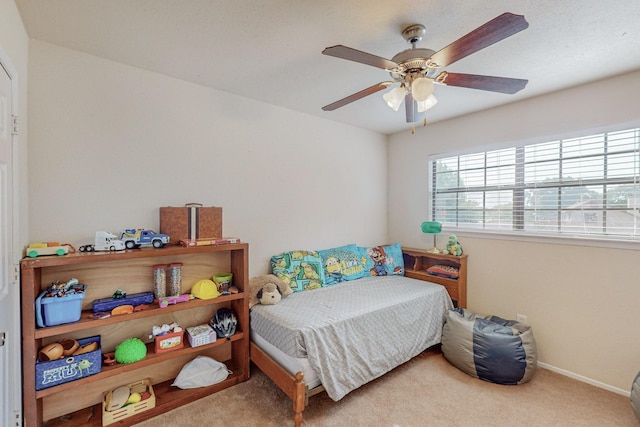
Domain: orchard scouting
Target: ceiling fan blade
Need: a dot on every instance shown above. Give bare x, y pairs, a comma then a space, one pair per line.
358, 95
490, 83
345, 52
492, 32
411, 107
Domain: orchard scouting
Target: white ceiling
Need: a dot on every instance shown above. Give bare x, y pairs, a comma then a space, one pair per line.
270, 50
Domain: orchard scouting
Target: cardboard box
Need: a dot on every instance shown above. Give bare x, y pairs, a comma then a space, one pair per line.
168, 342
110, 417
201, 335
60, 371
192, 221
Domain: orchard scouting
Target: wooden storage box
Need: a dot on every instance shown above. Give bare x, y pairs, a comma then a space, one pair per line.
168, 342
110, 417
192, 221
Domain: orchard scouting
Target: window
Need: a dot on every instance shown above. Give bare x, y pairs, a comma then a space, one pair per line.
587, 186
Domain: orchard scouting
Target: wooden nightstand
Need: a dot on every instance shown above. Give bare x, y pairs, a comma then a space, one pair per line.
417, 261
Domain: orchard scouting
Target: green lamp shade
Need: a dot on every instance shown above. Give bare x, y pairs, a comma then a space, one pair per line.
431, 227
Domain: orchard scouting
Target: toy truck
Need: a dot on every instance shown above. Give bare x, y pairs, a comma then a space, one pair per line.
134, 238
104, 242
47, 248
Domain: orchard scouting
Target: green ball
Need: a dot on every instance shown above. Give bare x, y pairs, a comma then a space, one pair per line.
130, 350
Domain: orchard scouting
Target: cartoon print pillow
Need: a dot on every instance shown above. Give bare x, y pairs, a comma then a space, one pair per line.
342, 263
383, 260
301, 270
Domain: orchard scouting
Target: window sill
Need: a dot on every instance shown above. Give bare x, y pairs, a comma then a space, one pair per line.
611, 243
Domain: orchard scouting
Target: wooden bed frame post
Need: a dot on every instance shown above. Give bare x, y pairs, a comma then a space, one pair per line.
292, 386
300, 399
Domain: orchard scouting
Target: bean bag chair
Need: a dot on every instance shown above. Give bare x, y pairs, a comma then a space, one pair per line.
489, 348
635, 396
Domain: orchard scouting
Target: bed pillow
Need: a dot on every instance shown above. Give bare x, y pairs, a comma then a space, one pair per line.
342, 263
444, 271
383, 260
301, 270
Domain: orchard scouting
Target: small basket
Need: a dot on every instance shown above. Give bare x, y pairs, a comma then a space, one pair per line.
110, 417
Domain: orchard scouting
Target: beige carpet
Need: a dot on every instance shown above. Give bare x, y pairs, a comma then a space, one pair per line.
426, 391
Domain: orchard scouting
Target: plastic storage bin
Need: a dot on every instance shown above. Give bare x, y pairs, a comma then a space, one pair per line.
51, 311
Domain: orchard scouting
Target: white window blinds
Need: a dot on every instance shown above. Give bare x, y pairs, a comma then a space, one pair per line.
587, 186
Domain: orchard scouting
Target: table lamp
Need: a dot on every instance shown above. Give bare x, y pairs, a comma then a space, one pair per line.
432, 227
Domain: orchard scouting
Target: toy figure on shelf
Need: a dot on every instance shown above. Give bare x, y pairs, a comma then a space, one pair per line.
453, 246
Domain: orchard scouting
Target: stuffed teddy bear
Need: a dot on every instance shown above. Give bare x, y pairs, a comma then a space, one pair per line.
453, 246
269, 294
267, 289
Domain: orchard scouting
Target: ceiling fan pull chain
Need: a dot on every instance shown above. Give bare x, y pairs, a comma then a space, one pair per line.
424, 123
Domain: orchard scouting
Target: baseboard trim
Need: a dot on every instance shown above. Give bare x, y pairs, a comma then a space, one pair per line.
585, 379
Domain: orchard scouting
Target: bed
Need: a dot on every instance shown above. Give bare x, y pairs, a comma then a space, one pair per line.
337, 338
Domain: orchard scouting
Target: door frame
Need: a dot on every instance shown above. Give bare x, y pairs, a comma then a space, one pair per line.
13, 343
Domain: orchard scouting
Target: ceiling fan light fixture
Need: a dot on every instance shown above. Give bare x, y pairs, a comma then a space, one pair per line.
394, 97
427, 103
421, 88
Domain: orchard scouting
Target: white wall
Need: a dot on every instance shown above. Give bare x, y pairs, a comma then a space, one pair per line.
581, 301
110, 144
14, 47
15, 44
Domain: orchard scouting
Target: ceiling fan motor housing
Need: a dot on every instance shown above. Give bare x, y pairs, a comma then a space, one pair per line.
414, 62
414, 33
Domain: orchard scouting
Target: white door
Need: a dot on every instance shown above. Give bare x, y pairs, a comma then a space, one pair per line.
10, 383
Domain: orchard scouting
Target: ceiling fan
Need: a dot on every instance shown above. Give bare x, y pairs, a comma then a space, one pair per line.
418, 69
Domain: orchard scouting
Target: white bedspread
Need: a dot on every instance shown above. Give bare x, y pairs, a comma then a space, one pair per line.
354, 332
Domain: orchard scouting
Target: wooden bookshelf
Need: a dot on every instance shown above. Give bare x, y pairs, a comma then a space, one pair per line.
79, 402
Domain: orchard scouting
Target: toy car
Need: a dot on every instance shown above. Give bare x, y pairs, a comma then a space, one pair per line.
105, 241
46, 248
136, 237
